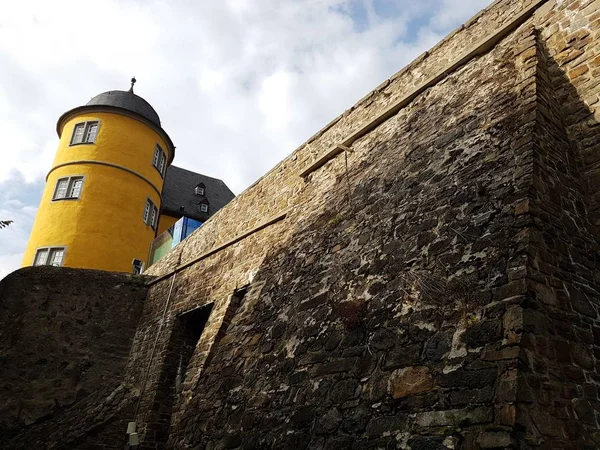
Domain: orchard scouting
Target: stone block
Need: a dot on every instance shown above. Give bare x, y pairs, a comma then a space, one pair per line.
522, 207
402, 357
386, 425
336, 366
355, 420
578, 71
471, 396
410, 381
494, 439
468, 378
513, 319
428, 443
482, 333
455, 418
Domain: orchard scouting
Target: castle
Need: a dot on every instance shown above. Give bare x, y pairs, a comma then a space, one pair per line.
112, 189
421, 274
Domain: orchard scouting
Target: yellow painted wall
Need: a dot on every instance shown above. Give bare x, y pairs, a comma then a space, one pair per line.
104, 228
165, 223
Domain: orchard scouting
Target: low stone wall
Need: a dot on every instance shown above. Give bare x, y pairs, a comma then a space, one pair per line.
65, 336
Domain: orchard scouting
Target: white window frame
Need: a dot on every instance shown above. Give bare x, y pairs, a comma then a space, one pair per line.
62, 186
150, 216
50, 255
154, 217
70, 183
147, 209
156, 157
85, 126
198, 190
159, 160
204, 207
76, 135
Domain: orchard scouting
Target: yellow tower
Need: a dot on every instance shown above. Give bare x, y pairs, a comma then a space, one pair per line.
100, 207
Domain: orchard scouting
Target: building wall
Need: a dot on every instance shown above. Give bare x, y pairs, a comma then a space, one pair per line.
65, 335
165, 223
103, 228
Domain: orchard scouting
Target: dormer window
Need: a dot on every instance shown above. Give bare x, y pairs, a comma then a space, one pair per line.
203, 205
200, 189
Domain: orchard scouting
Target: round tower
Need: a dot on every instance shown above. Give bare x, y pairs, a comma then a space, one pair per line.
101, 204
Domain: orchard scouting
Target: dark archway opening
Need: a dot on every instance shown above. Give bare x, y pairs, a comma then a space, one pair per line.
187, 330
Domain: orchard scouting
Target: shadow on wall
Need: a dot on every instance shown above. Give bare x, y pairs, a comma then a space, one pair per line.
560, 344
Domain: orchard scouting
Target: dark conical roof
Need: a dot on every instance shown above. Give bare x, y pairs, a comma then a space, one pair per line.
126, 100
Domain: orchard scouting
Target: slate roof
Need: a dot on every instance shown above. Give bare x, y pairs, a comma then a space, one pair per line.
178, 191
126, 100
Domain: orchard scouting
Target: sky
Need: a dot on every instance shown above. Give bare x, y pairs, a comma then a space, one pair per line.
238, 84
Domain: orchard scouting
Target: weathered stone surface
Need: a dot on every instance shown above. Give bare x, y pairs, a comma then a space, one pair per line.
468, 378
427, 443
409, 381
454, 418
65, 336
386, 425
471, 396
482, 333
494, 439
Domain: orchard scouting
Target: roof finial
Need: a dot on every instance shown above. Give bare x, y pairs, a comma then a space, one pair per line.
133, 80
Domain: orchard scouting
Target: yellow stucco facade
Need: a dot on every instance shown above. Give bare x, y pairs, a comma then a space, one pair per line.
165, 223
104, 227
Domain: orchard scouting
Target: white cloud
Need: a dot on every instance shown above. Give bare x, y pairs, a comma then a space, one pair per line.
238, 84
450, 13
16, 198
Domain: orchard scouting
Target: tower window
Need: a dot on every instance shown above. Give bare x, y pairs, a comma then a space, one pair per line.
85, 133
150, 214
49, 256
159, 161
137, 266
68, 188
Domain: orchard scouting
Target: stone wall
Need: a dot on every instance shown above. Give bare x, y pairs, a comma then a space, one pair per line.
65, 336
398, 302
558, 316
377, 320
281, 188
432, 288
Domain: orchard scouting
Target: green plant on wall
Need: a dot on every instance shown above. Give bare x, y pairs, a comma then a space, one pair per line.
5, 223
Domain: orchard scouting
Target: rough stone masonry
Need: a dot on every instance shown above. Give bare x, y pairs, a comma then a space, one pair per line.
421, 274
